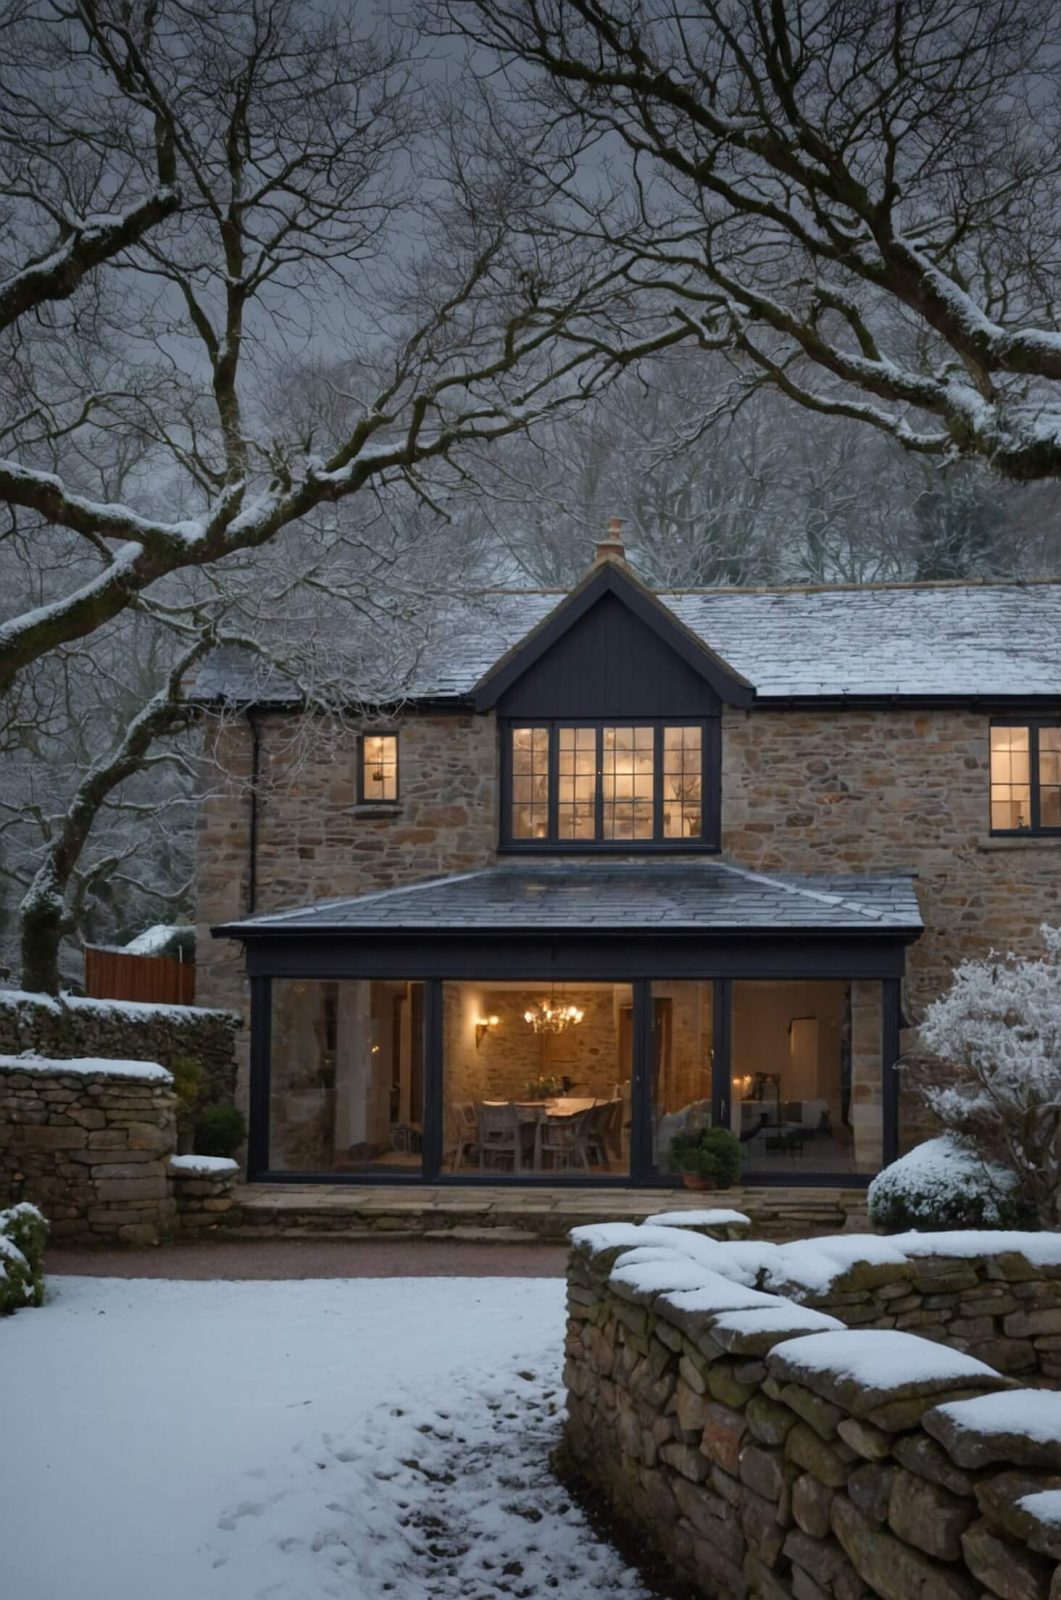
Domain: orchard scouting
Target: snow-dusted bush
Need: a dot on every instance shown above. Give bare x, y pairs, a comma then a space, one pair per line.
23, 1232
942, 1183
997, 1036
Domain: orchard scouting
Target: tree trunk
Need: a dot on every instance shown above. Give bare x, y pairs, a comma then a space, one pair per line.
41, 934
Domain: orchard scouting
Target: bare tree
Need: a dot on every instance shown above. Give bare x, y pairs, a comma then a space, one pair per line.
312, 215
859, 199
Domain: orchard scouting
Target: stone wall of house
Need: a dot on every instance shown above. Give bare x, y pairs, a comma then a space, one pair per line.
761, 1450
88, 1142
125, 1031
315, 841
803, 791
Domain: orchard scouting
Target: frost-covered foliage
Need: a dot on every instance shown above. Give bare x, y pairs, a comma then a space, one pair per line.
942, 1183
997, 1035
23, 1232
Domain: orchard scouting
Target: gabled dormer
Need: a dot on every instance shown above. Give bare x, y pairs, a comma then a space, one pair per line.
609, 714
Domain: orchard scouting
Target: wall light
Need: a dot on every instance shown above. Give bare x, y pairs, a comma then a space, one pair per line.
482, 1024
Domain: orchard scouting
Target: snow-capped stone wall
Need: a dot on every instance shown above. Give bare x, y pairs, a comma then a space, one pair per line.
88, 1141
124, 1029
763, 1449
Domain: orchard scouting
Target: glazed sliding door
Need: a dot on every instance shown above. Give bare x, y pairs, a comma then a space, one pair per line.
680, 1067
346, 1080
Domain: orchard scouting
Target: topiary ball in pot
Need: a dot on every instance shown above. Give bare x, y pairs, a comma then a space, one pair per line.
219, 1131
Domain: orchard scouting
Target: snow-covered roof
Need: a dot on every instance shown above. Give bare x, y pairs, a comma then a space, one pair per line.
877, 640
625, 897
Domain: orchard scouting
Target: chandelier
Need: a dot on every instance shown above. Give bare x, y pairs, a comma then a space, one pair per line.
548, 1016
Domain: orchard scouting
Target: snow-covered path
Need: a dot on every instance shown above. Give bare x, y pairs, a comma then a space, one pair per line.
290, 1441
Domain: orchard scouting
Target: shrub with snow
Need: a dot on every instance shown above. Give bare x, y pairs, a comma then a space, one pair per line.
996, 1034
23, 1232
941, 1184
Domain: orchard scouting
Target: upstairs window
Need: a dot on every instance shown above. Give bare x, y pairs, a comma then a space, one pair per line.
378, 769
1026, 777
606, 785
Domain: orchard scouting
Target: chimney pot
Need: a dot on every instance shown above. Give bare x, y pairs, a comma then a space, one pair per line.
611, 546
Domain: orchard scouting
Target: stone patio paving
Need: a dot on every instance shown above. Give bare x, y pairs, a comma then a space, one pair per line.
513, 1214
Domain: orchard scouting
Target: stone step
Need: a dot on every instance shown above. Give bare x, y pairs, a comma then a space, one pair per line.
514, 1216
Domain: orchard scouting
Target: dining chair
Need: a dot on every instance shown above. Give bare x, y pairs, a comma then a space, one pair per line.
604, 1132
464, 1140
565, 1141
498, 1129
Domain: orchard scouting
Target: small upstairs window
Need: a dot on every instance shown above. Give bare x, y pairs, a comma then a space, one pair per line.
378, 769
1026, 777
607, 785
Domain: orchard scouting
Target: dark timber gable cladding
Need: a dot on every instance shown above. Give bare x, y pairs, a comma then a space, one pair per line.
610, 648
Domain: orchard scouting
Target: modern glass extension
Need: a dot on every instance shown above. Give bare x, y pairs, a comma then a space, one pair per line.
563, 1024
508, 1080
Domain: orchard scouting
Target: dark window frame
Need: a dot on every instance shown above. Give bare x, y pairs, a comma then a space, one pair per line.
364, 799
1036, 829
709, 840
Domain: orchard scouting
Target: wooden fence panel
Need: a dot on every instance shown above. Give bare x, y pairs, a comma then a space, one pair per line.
115, 975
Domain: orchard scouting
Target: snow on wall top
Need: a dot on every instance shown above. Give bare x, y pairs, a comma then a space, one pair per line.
805, 1266
88, 1067
915, 640
134, 1009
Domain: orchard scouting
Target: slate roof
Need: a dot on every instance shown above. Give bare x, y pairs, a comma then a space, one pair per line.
619, 897
913, 640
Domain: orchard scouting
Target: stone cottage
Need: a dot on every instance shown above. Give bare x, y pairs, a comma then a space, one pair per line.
602, 866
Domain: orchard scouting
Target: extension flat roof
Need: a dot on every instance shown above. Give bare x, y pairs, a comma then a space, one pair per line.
619, 897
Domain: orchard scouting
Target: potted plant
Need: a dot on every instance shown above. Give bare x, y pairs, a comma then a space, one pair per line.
707, 1158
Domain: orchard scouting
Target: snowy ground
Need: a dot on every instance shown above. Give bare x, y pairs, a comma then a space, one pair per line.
290, 1441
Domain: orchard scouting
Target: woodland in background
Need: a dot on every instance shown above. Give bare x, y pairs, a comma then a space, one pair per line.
307, 326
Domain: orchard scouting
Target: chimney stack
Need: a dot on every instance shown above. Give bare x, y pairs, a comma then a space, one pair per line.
611, 546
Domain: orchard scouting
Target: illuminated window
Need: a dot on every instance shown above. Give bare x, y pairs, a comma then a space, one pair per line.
607, 784
530, 783
683, 783
576, 800
628, 778
379, 767
1026, 777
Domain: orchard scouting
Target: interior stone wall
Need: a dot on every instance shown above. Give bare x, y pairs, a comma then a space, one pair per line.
763, 1450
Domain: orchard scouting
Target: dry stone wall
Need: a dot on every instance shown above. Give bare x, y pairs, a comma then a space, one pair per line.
763, 1450
124, 1031
998, 1307
87, 1141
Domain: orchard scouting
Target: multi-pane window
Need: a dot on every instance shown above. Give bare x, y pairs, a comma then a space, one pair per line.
1026, 777
683, 766
628, 782
530, 783
607, 783
576, 783
378, 779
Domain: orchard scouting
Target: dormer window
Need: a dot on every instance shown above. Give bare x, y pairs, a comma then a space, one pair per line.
610, 785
